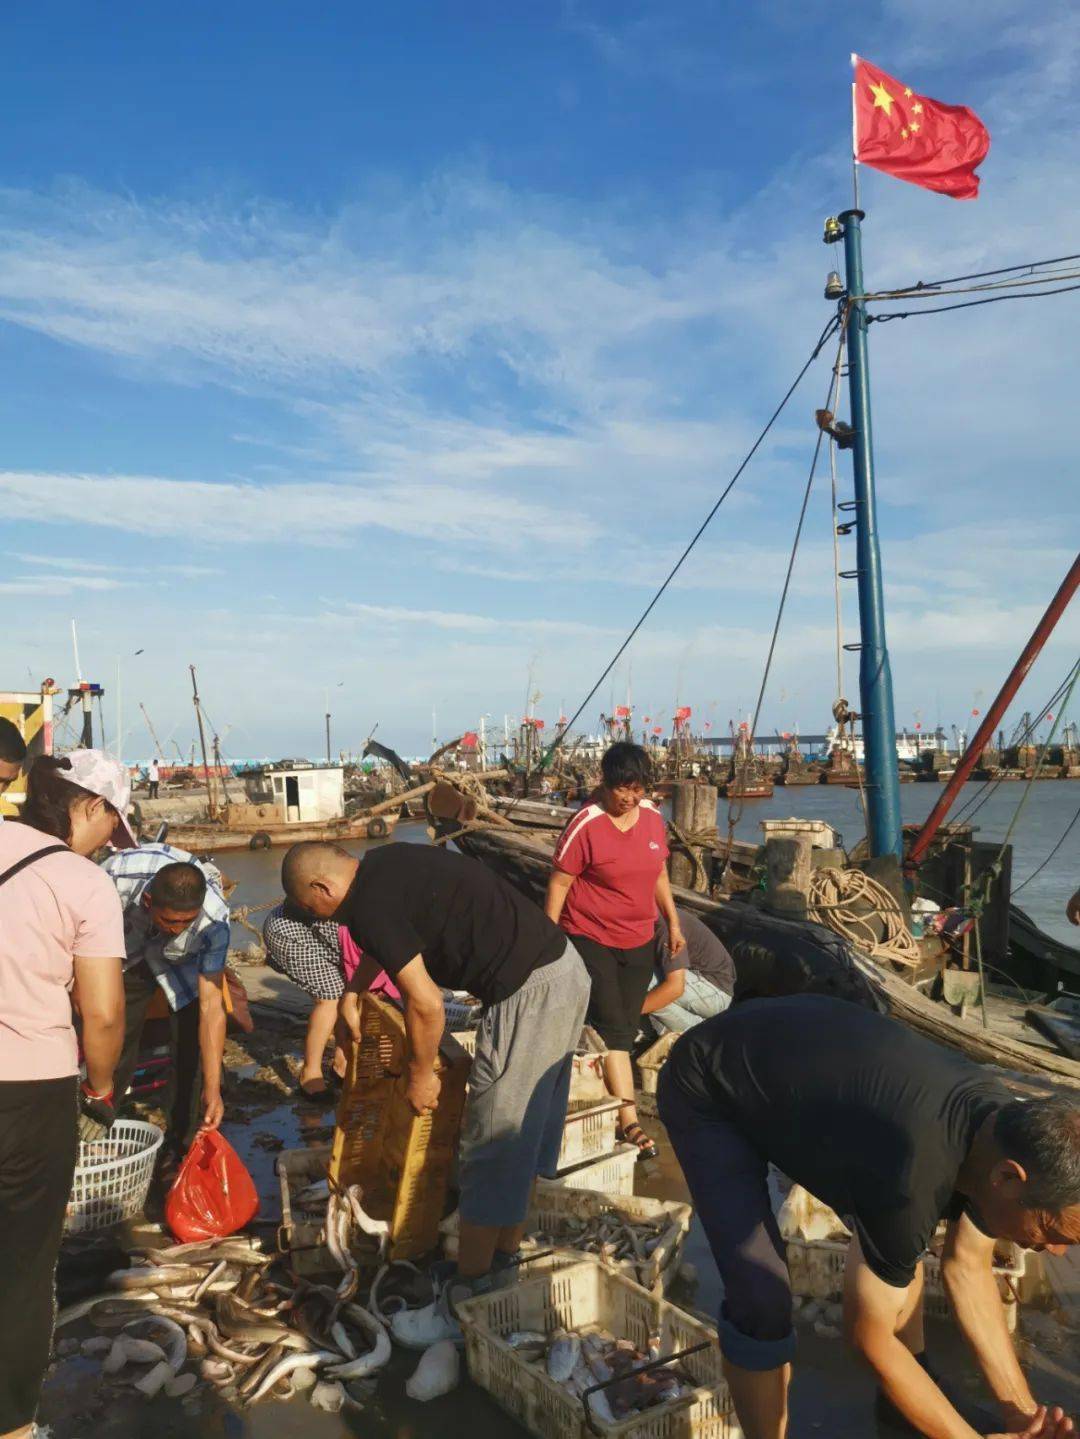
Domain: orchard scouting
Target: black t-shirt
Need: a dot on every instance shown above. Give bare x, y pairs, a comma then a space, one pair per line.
704, 953
474, 930
872, 1118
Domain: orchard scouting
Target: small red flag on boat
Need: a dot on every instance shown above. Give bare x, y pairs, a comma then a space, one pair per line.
683, 712
915, 138
656, 729
622, 711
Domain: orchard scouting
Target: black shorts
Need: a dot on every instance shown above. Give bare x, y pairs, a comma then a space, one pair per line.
620, 981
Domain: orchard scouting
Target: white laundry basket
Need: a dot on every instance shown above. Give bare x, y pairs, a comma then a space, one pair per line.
112, 1176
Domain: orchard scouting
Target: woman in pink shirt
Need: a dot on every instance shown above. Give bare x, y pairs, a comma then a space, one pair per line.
608, 884
61, 939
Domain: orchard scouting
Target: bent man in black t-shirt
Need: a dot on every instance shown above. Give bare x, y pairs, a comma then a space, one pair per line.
894, 1133
431, 918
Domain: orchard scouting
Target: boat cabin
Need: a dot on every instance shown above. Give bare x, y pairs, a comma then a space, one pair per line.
298, 790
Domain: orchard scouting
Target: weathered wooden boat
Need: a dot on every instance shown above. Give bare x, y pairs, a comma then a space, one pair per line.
270, 832
747, 778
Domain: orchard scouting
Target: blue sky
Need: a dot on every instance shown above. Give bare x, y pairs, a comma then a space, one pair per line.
397, 350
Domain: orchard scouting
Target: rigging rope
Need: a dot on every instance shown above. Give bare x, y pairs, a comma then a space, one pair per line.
883, 316
829, 330
736, 805
985, 274
1068, 830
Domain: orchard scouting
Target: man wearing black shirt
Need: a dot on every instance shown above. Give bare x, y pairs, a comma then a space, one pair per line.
432, 918
894, 1133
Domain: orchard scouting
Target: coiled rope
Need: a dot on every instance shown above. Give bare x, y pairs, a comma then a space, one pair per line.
857, 908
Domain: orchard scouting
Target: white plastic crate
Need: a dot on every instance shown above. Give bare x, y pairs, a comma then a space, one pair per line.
652, 1062
589, 1132
574, 1297
822, 835
817, 1272
613, 1174
112, 1176
555, 1207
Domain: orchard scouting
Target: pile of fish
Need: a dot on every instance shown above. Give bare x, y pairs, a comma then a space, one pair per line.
582, 1359
228, 1314
614, 1238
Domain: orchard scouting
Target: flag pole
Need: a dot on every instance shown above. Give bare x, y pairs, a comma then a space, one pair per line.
854, 139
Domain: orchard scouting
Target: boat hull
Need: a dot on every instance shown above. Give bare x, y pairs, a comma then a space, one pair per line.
200, 838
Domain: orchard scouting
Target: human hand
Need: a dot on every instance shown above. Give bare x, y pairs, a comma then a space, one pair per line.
1046, 1424
1072, 909
423, 1092
676, 939
96, 1114
213, 1112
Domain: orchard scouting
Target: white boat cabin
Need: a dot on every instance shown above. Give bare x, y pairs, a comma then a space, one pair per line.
301, 792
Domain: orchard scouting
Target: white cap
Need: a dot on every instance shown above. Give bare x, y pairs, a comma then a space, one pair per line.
100, 774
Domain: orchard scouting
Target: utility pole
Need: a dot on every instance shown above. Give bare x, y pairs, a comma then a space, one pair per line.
211, 797
326, 694
885, 833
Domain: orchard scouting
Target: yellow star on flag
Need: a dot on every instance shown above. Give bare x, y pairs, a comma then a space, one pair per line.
882, 99
914, 127
907, 92
903, 134
917, 107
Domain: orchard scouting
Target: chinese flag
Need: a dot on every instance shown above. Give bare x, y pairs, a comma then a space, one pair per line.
914, 138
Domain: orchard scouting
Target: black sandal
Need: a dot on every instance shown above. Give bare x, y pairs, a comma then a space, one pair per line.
646, 1148
318, 1097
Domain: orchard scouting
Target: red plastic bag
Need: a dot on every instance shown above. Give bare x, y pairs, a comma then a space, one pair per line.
213, 1194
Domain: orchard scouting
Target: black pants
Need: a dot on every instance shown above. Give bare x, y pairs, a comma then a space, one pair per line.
38, 1143
184, 1103
620, 981
153, 789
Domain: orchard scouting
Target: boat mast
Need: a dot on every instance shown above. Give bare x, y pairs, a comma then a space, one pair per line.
875, 676
995, 713
211, 797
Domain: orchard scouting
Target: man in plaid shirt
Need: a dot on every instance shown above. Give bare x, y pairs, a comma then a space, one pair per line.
176, 928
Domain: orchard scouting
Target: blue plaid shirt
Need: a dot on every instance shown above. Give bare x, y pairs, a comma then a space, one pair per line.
176, 961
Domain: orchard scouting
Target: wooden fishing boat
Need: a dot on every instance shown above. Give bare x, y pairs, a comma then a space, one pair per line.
271, 833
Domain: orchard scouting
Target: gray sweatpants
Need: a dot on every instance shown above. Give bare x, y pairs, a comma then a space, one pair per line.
518, 1090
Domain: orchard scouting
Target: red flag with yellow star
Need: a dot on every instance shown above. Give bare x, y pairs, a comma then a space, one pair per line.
915, 138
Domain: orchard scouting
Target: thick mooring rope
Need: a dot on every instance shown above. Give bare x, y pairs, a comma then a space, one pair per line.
856, 907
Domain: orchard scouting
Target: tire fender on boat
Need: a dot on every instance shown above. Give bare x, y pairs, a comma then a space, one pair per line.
259, 840
377, 827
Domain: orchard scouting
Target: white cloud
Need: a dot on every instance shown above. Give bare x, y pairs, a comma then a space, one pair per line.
314, 514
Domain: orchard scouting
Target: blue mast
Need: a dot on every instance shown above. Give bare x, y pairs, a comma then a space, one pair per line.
875, 676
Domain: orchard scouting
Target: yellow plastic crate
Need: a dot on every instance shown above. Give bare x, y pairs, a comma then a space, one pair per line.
572, 1298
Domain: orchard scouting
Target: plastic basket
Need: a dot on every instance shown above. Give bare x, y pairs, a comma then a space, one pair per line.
574, 1297
460, 1015
586, 1079
652, 1062
589, 1132
302, 1233
403, 1161
817, 1272
112, 1176
613, 1174
554, 1208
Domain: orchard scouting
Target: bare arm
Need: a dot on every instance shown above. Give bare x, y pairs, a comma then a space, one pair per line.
557, 890
665, 902
669, 989
872, 1311
425, 1020
1072, 909
99, 995
212, 1022
973, 1293
365, 974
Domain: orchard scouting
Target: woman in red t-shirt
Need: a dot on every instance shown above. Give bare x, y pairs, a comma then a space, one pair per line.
608, 882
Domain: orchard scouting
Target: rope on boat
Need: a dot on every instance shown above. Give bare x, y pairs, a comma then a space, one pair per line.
691, 843
857, 908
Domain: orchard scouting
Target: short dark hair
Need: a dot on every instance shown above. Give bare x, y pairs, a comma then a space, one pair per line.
1044, 1136
12, 744
50, 797
626, 763
179, 886
296, 866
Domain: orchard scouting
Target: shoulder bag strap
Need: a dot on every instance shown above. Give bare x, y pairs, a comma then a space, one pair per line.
30, 859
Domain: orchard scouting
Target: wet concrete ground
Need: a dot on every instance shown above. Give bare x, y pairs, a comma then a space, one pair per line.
831, 1396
